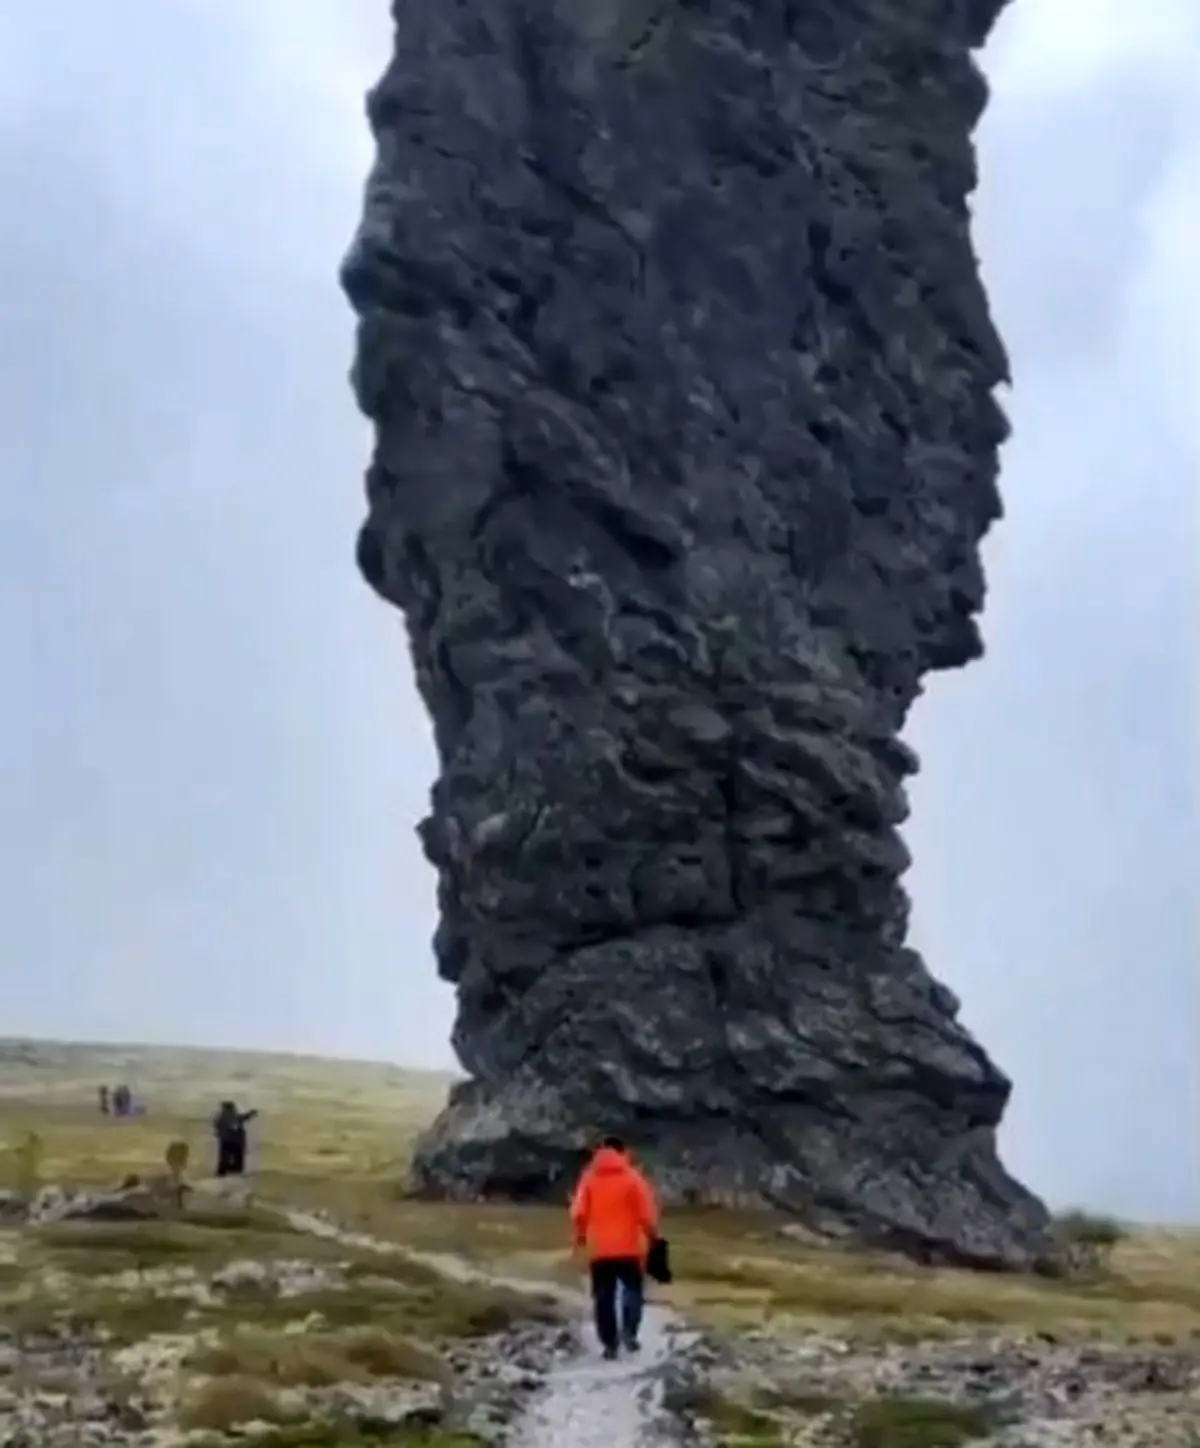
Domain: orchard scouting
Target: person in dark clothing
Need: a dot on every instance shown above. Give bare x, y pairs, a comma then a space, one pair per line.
614, 1215
229, 1128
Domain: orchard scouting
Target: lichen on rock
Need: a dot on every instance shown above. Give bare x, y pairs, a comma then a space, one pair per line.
682, 378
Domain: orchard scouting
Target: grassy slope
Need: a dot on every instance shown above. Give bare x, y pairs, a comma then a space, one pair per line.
178, 1341
336, 1134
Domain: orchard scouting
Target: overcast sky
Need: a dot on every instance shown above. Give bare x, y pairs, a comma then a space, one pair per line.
211, 753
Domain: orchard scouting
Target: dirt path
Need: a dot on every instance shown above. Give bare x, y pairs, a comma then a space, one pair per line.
593, 1404
584, 1402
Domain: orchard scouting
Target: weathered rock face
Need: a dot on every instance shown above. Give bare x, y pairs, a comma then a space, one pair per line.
681, 372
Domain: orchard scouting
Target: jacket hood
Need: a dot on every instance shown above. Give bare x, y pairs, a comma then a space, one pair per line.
608, 1162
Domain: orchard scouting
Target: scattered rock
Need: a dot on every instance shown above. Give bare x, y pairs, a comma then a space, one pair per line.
51, 1204
380, 1405
65, 1387
286, 1277
1038, 1394
13, 1208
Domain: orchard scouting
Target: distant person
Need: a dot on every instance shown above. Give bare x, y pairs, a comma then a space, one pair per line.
103, 1093
122, 1100
229, 1128
615, 1217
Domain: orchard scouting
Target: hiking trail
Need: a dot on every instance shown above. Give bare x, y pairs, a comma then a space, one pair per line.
584, 1401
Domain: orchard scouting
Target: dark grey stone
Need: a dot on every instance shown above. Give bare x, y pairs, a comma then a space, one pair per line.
682, 379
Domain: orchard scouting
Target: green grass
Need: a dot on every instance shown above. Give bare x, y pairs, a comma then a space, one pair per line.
766, 1420
203, 1241
337, 1135
916, 1423
736, 1422
318, 1359
801, 1402
221, 1404
110, 1295
124, 1316
345, 1435
321, 1117
121, 1317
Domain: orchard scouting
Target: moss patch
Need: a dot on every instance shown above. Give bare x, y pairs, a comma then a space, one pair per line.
123, 1317
741, 1424
383, 1289
916, 1423
446, 1310
800, 1402
346, 1435
454, 1309
221, 1404
101, 1249
319, 1359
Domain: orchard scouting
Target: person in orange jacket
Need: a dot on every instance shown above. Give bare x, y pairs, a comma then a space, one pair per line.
615, 1217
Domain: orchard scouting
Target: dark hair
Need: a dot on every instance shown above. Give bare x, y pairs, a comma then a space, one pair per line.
613, 1143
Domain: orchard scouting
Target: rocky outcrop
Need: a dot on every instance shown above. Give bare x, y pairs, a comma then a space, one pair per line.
682, 377
998, 1390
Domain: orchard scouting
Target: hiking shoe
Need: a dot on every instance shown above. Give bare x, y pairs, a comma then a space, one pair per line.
609, 1354
632, 1345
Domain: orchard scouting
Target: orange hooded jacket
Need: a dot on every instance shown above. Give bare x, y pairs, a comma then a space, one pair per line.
613, 1212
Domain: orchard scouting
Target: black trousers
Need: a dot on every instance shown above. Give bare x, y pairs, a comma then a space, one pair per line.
231, 1158
609, 1274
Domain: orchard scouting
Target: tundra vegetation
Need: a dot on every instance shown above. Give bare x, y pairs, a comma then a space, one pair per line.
206, 1307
